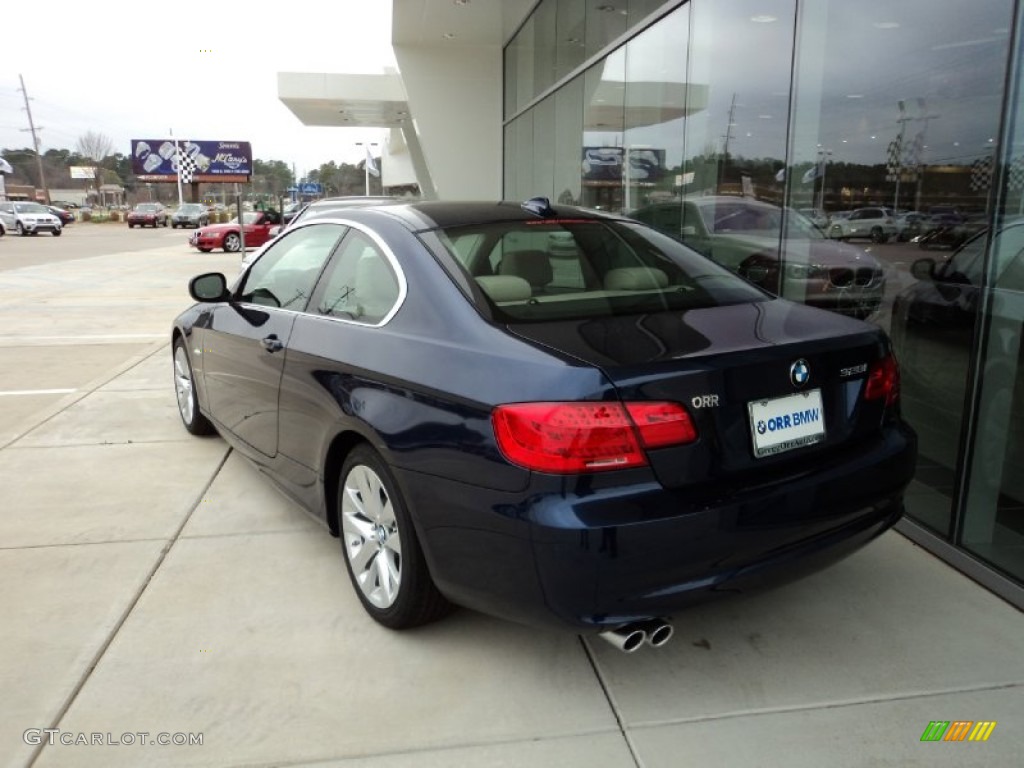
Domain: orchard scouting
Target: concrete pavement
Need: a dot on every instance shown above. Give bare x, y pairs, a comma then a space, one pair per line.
155, 583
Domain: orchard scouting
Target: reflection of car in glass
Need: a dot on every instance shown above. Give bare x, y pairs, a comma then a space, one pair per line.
190, 215
257, 228
617, 437
27, 218
875, 224
947, 230
743, 235
816, 216
933, 329
909, 225
147, 215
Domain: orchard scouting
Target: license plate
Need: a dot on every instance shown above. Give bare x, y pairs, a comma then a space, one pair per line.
785, 423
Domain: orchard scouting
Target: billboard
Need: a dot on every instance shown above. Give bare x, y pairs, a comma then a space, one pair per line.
208, 161
82, 172
605, 164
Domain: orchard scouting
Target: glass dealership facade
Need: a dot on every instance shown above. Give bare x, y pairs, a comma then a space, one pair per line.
824, 106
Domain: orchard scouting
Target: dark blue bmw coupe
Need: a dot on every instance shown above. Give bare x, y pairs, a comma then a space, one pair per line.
549, 414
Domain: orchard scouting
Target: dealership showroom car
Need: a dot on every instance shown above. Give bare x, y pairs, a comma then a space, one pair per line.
147, 215
590, 438
27, 218
190, 215
745, 236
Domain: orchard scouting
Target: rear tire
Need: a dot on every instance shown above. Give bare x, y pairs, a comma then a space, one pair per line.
382, 553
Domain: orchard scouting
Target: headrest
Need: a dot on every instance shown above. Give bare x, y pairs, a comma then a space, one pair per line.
532, 266
504, 287
634, 279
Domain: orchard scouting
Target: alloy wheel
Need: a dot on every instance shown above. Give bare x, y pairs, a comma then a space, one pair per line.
183, 385
371, 537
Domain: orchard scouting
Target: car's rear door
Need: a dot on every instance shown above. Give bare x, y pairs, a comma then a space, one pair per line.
245, 344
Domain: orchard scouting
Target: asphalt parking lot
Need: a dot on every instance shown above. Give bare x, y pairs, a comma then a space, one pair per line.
155, 584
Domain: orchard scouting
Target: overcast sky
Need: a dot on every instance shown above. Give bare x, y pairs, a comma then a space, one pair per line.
207, 71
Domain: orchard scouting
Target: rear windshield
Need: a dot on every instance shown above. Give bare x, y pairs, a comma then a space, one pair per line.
561, 269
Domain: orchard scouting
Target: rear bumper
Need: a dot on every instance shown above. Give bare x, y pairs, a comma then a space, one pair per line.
588, 559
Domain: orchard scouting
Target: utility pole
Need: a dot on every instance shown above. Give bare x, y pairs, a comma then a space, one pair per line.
35, 141
725, 149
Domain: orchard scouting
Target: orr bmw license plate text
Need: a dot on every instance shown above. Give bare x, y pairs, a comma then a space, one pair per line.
784, 423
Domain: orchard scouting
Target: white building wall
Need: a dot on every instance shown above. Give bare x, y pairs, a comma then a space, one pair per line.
455, 99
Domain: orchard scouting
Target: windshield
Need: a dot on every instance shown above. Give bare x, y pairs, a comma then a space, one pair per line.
147, 207
30, 208
190, 208
561, 269
249, 217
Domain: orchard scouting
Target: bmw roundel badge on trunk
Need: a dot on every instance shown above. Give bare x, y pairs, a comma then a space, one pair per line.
799, 373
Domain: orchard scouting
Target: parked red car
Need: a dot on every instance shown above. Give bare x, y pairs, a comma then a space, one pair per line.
227, 236
147, 215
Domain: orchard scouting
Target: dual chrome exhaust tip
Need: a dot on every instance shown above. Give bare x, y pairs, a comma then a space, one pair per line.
629, 637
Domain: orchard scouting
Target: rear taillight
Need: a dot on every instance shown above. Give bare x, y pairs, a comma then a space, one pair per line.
587, 437
883, 381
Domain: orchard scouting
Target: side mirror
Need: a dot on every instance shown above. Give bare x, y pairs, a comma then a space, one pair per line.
923, 269
212, 286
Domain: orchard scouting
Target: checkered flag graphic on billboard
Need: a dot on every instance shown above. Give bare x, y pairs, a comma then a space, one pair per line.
981, 174
186, 167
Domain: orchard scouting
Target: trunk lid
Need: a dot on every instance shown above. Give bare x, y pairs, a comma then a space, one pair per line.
770, 385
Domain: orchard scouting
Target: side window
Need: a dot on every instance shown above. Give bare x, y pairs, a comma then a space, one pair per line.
360, 283
284, 276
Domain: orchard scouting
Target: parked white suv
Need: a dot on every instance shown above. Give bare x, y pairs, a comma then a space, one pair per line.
875, 224
27, 218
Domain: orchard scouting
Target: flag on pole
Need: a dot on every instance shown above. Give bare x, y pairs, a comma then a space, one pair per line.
5, 167
781, 175
371, 164
811, 173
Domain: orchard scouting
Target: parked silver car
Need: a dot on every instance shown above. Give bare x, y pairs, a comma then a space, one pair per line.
190, 215
28, 218
875, 223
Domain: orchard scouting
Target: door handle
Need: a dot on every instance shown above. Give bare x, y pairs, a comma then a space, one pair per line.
271, 343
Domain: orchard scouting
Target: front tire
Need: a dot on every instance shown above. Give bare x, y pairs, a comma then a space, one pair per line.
205, 250
58, 232
382, 553
185, 391
21, 230
232, 242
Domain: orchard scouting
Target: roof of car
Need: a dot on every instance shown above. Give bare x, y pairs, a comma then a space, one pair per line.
434, 214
